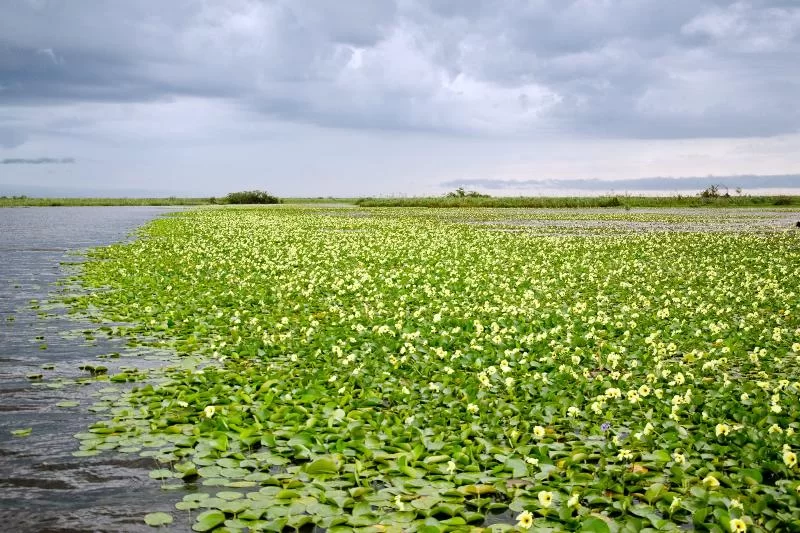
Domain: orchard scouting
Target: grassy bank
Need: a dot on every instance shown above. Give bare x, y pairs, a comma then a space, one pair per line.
6, 201
584, 202
319, 200
56, 202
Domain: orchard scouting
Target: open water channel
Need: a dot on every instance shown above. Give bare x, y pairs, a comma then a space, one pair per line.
43, 487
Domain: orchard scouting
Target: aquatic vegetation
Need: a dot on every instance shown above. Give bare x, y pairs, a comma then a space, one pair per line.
415, 370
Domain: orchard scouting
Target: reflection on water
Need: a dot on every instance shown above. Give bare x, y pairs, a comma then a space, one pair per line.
43, 487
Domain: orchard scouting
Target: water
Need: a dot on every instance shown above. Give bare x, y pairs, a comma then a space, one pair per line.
43, 487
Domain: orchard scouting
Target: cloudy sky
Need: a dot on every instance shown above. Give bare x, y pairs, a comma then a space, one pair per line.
382, 97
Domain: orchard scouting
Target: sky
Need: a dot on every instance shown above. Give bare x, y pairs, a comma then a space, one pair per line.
398, 97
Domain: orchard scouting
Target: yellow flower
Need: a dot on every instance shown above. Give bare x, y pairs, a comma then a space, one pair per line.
736, 504
525, 520
451, 467
790, 458
711, 482
679, 458
722, 429
545, 498
209, 411
737, 525
538, 432
472, 408
573, 500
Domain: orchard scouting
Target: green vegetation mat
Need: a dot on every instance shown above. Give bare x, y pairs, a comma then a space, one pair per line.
418, 370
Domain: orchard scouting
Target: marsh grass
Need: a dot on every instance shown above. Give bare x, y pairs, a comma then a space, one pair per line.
582, 201
6, 201
23, 201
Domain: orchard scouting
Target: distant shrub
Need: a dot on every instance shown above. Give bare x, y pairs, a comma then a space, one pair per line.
251, 197
461, 193
783, 200
711, 192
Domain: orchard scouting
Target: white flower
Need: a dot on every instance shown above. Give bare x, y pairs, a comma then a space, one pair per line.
545, 498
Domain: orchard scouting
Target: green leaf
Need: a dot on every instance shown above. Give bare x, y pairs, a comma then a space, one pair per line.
208, 520
157, 519
517, 466
752, 476
322, 466
595, 525
161, 473
655, 492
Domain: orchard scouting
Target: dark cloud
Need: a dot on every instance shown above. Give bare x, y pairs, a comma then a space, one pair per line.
622, 68
693, 183
37, 161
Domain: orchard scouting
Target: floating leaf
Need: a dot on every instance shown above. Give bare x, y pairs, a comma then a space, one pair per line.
158, 519
322, 466
595, 525
208, 520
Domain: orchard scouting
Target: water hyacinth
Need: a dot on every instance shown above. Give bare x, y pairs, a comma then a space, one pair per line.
416, 369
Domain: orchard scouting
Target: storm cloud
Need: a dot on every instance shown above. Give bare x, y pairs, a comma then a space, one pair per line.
224, 73
636, 68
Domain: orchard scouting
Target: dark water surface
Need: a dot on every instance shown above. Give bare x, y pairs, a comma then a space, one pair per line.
43, 487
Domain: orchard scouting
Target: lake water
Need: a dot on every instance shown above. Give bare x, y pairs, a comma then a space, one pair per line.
43, 487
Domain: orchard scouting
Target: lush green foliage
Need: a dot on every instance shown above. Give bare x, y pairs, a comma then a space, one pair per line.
251, 197
441, 370
583, 201
318, 200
